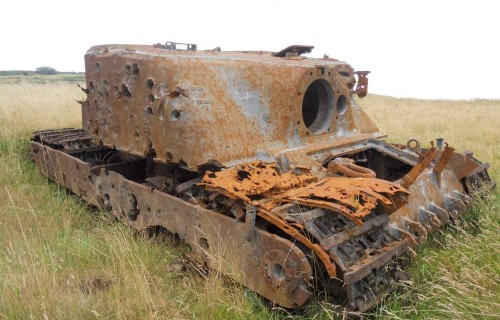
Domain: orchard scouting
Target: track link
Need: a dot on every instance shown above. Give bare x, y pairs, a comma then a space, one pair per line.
370, 257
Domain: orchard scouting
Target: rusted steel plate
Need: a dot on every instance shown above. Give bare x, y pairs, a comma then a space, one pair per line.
217, 241
143, 99
254, 179
352, 197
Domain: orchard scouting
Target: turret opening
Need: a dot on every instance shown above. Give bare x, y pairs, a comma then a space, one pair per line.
317, 106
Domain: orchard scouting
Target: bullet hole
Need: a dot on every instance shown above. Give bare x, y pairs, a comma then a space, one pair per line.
151, 99
135, 69
134, 208
175, 115
106, 200
127, 68
311, 73
150, 83
136, 134
168, 156
243, 174
149, 111
126, 91
203, 243
91, 85
105, 87
97, 67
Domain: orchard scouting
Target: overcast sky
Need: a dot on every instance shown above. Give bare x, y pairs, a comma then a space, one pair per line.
422, 49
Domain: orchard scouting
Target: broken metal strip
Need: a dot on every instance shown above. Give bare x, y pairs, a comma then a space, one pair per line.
411, 176
364, 270
294, 233
325, 205
443, 160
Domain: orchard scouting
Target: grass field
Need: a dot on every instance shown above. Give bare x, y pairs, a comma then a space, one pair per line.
60, 259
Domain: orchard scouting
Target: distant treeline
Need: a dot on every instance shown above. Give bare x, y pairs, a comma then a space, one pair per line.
30, 73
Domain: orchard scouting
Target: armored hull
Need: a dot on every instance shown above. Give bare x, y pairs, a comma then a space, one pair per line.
263, 163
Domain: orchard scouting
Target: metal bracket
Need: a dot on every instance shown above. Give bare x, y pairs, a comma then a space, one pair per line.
250, 217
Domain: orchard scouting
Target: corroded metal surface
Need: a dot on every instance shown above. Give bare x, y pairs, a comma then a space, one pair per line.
143, 99
217, 241
263, 163
254, 179
352, 198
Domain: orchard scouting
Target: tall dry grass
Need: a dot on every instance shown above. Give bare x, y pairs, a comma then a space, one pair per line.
456, 274
30, 106
62, 259
465, 124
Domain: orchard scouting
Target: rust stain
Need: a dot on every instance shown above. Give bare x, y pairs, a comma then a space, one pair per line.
424, 161
443, 160
293, 232
353, 198
245, 181
264, 185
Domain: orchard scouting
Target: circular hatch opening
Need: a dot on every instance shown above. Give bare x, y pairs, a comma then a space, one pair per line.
317, 106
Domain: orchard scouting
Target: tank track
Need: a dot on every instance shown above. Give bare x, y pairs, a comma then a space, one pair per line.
370, 257
64, 139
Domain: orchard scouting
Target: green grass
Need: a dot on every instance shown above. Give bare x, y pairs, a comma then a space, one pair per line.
60, 258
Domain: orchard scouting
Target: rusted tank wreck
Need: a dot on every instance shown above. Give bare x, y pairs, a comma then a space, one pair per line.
263, 163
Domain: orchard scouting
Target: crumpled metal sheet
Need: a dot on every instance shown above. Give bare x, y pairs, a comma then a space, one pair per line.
253, 179
353, 198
